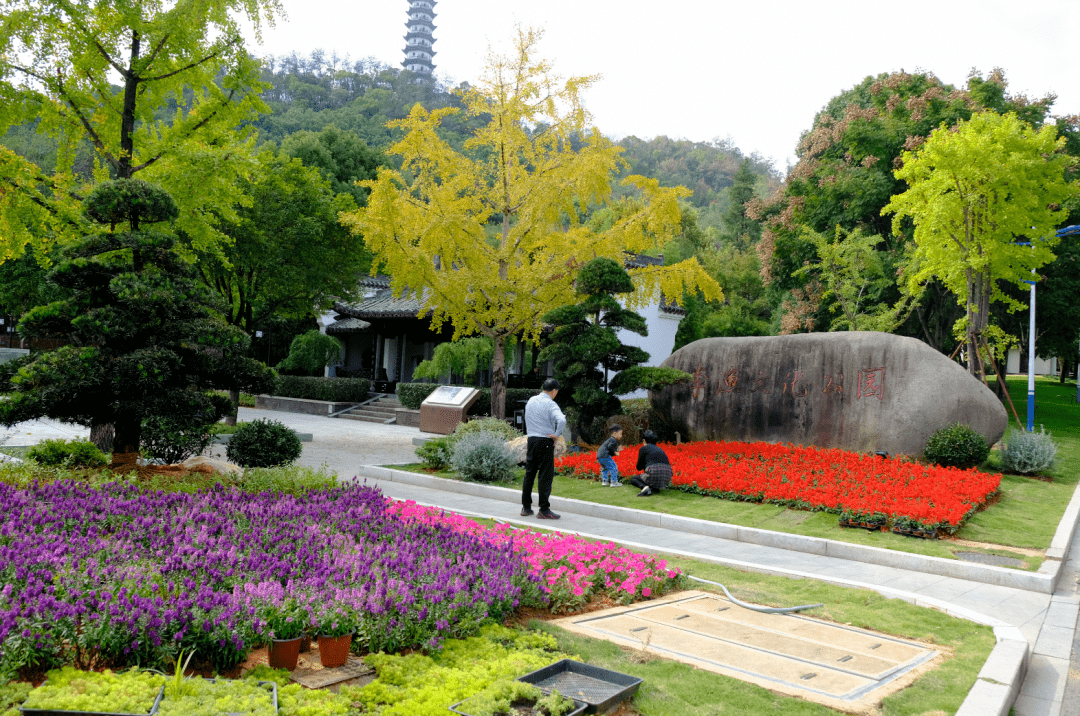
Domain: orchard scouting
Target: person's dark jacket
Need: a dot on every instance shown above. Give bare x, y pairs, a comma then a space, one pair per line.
608, 448
651, 455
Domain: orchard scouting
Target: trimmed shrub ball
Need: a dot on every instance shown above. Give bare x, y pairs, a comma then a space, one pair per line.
956, 445
264, 443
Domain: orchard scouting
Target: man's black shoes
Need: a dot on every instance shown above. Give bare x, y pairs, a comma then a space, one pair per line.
526, 512
547, 515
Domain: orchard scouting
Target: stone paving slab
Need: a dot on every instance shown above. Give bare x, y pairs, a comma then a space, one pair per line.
820, 661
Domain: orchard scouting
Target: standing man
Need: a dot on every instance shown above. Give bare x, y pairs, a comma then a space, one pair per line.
544, 422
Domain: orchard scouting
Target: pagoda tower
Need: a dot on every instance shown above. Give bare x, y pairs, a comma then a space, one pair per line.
420, 41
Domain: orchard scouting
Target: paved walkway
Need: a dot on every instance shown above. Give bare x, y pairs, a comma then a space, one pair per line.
1048, 623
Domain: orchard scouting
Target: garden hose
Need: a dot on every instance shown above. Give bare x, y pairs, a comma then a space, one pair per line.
766, 610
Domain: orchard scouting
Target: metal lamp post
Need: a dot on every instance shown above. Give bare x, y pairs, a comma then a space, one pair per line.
1031, 362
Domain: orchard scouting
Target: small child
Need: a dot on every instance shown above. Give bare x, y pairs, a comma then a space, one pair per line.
609, 473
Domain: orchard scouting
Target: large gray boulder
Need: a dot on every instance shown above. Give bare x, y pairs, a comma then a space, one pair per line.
858, 391
519, 448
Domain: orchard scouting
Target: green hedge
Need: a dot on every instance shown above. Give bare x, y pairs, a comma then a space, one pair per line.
412, 394
340, 390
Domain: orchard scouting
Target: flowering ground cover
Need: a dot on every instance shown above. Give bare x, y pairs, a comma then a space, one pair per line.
573, 571
115, 576
858, 486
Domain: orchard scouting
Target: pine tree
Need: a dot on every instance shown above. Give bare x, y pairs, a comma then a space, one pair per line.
593, 367
145, 339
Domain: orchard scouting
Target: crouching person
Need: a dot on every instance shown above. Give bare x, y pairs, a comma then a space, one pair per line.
655, 466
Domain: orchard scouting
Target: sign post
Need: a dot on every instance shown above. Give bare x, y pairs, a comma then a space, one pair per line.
446, 407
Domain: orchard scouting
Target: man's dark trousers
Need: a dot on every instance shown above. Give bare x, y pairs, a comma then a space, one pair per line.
540, 457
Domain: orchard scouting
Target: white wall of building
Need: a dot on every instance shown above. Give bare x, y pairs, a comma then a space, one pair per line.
660, 342
1042, 367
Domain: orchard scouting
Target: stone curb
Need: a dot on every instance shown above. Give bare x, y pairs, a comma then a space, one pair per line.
1042, 581
998, 683
1059, 546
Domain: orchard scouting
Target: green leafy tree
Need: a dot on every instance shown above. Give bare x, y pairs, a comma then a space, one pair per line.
341, 157
857, 277
144, 339
1059, 296
312, 352
155, 89
593, 366
845, 176
739, 228
975, 191
747, 307
288, 254
464, 357
23, 285
493, 234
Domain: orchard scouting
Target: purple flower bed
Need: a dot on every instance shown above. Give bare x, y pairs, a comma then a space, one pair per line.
116, 576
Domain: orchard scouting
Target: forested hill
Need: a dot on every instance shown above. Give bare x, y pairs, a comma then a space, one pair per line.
309, 93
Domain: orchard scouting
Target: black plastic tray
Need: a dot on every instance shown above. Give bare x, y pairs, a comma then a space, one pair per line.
599, 688
579, 709
55, 712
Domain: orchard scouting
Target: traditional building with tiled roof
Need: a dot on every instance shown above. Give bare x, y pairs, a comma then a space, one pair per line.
386, 337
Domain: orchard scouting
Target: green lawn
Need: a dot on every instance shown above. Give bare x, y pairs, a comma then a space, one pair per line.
673, 689
1026, 515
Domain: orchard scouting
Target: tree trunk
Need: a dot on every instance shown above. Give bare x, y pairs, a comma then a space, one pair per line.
127, 118
1064, 370
234, 400
126, 444
498, 379
101, 434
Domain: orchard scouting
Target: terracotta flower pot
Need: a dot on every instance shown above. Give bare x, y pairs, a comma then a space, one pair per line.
334, 650
283, 653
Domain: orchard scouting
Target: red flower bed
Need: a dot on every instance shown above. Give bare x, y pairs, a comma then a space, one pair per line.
857, 486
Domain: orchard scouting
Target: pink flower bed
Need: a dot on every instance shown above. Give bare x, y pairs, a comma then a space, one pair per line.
573, 571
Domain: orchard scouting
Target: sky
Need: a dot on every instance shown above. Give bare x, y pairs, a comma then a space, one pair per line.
753, 72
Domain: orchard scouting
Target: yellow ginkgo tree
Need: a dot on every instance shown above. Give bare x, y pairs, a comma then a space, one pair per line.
491, 237
985, 199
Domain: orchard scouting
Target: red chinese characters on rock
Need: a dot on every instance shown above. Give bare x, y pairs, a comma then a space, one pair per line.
871, 383
701, 382
730, 381
792, 380
833, 384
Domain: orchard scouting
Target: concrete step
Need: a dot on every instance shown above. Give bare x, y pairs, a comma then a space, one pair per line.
386, 403
371, 413
368, 418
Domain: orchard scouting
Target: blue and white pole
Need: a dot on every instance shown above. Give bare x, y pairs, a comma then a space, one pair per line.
1031, 362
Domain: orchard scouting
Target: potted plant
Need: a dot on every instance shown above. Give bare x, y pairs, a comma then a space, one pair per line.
335, 622
872, 521
286, 623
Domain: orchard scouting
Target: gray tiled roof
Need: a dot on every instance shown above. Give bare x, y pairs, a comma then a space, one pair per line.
672, 307
348, 325
383, 305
